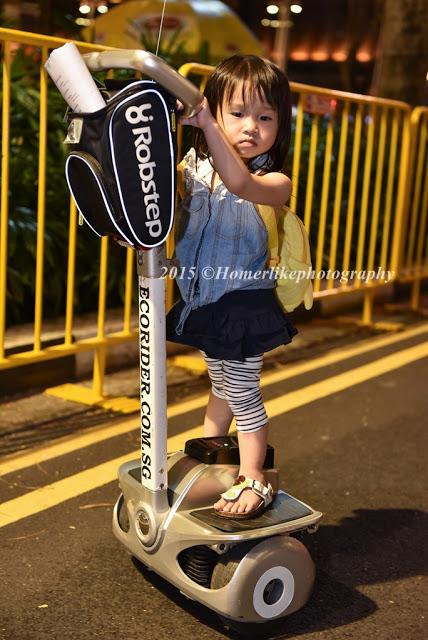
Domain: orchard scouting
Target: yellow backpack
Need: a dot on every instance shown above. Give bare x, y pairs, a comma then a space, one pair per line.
290, 254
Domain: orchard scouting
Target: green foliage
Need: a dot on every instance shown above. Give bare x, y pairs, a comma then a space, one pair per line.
22, 227
173, 50
23, 167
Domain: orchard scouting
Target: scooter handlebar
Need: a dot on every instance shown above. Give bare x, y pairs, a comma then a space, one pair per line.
152, 66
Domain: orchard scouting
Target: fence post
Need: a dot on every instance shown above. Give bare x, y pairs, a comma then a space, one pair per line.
4, 204
100, 349
404, 177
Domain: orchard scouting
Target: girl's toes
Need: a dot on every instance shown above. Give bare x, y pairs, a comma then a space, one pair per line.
222, 505
219, 505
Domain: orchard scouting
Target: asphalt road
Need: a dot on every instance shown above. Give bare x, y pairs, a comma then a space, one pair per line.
352, 445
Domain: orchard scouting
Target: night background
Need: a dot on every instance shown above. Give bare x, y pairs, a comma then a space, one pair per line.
363, 46
346, 400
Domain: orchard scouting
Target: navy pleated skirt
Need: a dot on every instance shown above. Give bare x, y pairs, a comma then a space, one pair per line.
240, 324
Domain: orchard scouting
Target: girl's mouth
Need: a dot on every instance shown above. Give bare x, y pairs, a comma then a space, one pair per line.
248, 143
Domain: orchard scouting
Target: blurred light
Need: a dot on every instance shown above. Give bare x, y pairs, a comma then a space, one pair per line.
102, 6
363, 56
274, 24
85, 7
208, 7
296, 8
319, 56
266, 22
83, 22
272, 9
339, 56
300, 55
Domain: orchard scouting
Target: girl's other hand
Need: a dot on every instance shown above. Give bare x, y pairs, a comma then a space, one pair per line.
201, 119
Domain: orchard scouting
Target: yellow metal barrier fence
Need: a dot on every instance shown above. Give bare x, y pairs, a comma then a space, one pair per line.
98, 343
353, 175
414, 241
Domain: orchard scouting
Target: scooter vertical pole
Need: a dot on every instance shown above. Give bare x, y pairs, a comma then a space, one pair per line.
153, 387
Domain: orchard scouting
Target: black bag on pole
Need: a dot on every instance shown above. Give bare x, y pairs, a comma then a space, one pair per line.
121, 167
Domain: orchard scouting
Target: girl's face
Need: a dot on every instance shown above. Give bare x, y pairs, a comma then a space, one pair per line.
251, 127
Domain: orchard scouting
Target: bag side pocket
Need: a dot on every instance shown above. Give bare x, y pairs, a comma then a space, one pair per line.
87, 185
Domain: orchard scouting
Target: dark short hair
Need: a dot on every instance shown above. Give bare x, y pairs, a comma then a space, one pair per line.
261, 78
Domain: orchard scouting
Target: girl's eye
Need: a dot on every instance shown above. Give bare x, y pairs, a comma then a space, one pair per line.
237, 114
266, 118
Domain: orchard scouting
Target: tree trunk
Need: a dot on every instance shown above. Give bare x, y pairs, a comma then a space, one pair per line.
45, 19
401, 61
362, 20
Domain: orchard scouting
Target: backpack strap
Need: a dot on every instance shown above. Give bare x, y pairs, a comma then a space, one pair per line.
180, 178
270, 216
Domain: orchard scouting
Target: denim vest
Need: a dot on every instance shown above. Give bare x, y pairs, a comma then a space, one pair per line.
221, 242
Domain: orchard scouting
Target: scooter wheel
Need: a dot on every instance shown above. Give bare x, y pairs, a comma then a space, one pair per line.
227, 564
268, 582
122, 514
254, 631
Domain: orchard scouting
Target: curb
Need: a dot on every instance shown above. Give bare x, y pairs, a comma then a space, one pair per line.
77, 367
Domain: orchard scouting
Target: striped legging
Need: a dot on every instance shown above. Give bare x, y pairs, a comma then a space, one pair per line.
239, 384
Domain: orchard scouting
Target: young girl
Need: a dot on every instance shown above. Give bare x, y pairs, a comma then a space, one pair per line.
229, 309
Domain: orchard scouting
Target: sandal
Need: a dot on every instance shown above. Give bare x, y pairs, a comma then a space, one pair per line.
241, 483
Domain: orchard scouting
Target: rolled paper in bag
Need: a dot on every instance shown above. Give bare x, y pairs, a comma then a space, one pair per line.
73, 80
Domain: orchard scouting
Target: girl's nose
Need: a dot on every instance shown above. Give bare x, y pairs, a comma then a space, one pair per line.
250, 125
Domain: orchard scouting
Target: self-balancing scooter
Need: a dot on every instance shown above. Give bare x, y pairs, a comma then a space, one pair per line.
247, 571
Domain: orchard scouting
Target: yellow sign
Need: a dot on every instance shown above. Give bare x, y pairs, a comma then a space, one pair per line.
187, 23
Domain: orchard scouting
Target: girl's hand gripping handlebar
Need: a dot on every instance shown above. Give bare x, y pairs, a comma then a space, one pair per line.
152, 66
